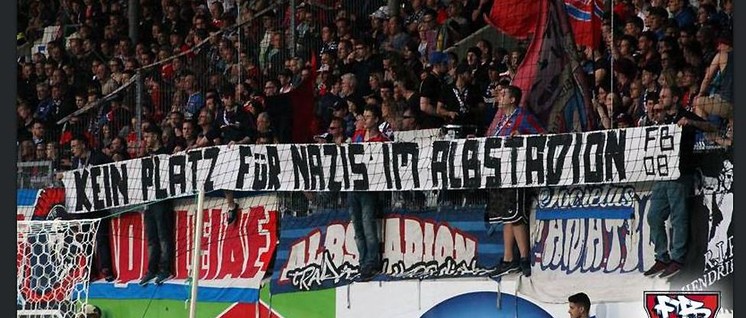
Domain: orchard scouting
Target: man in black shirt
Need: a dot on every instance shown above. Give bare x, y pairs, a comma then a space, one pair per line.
234, 125
431, 88
84, 156
670, 199
459, 101
159, 221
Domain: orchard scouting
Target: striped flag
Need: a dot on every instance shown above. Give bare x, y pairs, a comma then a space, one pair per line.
585, 20
550, 76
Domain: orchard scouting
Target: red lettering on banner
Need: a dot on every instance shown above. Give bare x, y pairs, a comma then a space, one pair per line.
240, 250
233, 255
129, 246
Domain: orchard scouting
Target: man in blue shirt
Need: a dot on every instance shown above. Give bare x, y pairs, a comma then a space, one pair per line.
196, 100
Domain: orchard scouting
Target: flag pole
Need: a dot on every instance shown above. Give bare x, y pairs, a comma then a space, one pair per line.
611, 78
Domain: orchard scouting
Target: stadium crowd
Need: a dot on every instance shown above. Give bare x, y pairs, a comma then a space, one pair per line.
206, 83
213, 93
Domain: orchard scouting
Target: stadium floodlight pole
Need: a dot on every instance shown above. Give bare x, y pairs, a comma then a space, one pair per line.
197, 252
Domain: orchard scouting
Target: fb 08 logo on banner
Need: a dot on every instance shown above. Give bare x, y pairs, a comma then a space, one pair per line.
664, 304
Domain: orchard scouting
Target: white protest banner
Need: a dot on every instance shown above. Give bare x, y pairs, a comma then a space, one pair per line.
598, 157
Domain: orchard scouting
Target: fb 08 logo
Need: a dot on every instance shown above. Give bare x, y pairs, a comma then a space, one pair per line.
667, 304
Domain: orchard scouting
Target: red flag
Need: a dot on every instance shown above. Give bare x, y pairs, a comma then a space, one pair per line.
585, 18
516, 18
553, 83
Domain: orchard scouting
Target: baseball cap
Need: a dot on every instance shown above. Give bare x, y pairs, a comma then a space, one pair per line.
438, 58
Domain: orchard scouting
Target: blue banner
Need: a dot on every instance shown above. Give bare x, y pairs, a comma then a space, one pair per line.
319, 251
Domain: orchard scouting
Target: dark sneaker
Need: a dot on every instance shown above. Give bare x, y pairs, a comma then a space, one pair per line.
233, 214
366, 275
671, 270
526, 266
658, 267
147, 278
108, 275
506, 268
162, 277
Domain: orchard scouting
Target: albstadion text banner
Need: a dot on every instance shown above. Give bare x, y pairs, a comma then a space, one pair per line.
598, 157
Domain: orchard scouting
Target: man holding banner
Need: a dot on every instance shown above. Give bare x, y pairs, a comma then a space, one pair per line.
670, 199
510, 206
84, 156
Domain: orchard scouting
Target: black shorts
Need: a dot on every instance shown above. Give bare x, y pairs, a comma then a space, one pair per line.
508, 206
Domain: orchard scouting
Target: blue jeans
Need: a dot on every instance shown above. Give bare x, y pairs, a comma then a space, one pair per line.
362, 207
670, 200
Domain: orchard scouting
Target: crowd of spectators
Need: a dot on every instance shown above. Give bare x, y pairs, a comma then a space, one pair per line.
214, 92
209, 67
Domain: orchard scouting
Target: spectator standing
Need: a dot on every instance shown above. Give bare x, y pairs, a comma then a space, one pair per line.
209, 135
159, 222
509, 206
479, 71
365, 63
431, 89
458, 101
364, 205
84, 156
196, 100
340, 110
670, 199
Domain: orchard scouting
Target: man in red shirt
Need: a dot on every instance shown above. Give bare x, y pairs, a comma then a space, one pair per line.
363, 205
